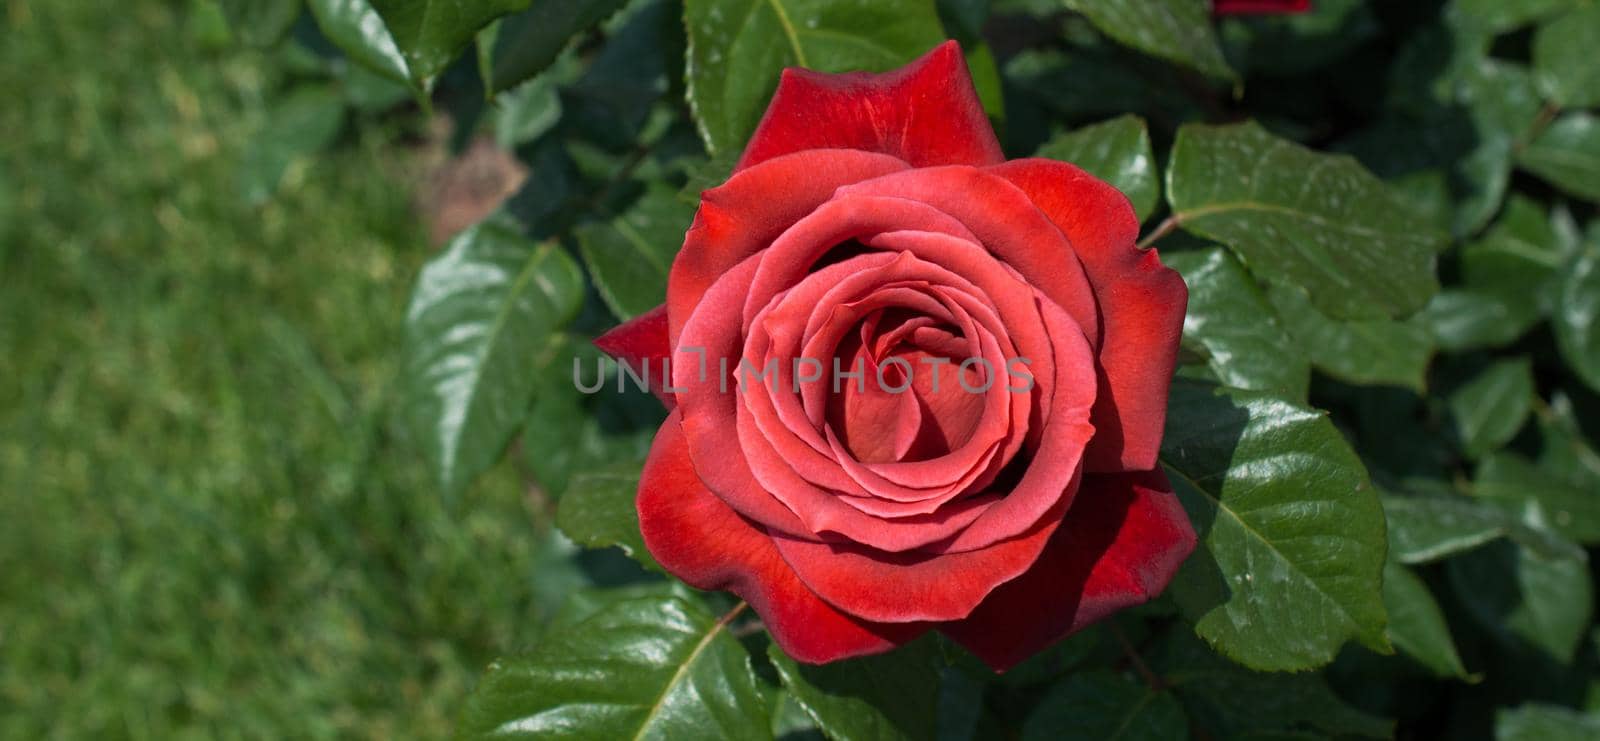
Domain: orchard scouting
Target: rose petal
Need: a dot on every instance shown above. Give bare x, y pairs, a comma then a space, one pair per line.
1141, 305
1003, 220
744, 215
696, 537
1120, 543
641, 343
926, 113
912, 586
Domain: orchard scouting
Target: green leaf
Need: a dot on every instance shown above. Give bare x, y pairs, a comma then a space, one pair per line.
526, 113
1416, 625
1464, 320
1577, 312
569, 431
356, 27
1293, 215
431, 33
1534, 722
1291, 531
1499, 16
1361, 351
1296, 44
527, 43
597, 511
1511, 481
260, 22
303, 122
1175, 30
1231, 701
1490, 408
1116, 151
737, 48
1567, 155
1105, 705
630, 256
1515, 265
1522, 597
648, 667
1564, 55
1230, 320
480, 316
877, 698
1424, 529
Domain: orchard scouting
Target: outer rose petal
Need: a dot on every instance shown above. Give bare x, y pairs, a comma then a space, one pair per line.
641, 342
1119, 545
1259, 7
699, 539
926, 113
1141, 308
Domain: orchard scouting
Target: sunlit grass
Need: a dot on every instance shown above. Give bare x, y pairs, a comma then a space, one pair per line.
208, 524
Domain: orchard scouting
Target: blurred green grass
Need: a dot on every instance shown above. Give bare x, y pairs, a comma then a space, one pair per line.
210, 525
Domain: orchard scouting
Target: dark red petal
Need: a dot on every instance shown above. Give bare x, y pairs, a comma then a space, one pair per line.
742, 216
1259, 7
913, 586
1141, 308
1122, 541
926, 113
699, 539
641, 343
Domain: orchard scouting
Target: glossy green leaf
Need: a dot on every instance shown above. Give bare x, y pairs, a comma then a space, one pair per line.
597, 511
1291, 531
1567, 155
1416, 624
301, 123
630, 256
432, 33
260, 22
581, 421
1535, 722
356, 27
1515, 264
1464, 320
737, 48
1490, 408
1424, 529
481, 314
1524, 598
1564, 55
526, 112
1293, 215
527, 43
1175, 30
1116, 151
1577, 312
1499, 16
1230, 320
1567, 507
1230, 701
877, 698
642, 668
1105, 705
1362, 351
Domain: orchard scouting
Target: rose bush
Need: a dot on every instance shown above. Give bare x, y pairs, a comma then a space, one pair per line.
873, 225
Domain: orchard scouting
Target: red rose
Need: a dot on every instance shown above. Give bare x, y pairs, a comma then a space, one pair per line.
1009, 495
1259, 7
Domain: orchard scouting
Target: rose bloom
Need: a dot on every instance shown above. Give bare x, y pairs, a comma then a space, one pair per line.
1259, 7
872, 222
